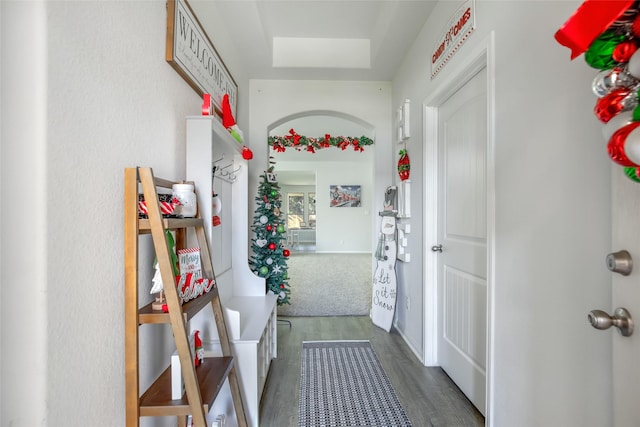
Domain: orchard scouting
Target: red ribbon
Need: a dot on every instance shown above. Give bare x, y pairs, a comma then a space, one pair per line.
590, 20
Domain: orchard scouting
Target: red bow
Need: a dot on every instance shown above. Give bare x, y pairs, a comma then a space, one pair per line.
590, 20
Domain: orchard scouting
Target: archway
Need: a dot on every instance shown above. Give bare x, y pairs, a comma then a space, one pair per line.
331, 263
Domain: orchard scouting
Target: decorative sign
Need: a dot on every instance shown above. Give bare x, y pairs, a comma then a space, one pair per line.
385, 283
191, 284
189, 260
192, 55
191, 288
458, 29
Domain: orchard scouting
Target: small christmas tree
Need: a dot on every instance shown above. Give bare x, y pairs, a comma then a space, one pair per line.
269, 259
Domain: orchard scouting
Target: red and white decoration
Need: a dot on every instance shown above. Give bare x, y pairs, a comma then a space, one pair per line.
191, 284
455, 33
230, 124
167, 202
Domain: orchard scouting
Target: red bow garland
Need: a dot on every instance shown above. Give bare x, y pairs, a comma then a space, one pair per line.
327, 141
279, 148
299, 142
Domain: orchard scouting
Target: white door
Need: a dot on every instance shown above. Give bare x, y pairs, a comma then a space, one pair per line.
626, 293
462, 234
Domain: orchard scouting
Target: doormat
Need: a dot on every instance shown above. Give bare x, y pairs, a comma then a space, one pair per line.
342, 384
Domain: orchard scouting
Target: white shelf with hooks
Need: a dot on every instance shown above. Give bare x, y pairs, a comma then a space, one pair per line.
249, 313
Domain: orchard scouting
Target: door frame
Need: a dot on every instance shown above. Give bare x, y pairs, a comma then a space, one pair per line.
481, 56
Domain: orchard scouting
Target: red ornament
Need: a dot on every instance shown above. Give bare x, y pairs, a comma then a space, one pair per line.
206, 105
247, 154
269, 227
635, 27
611, 104
615, 147
281, 285
624, 51
404, 165
272, 246
286, 252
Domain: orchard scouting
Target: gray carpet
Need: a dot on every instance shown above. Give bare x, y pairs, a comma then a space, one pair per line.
325, 284
342, 384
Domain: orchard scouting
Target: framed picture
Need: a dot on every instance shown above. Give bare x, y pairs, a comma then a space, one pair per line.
344, 196
192, 55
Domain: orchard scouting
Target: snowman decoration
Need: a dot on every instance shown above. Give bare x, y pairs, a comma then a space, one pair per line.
383, 298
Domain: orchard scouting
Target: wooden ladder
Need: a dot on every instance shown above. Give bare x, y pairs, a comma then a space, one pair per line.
202, 383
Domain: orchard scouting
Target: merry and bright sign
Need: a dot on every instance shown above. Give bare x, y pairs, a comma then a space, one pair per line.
458, 29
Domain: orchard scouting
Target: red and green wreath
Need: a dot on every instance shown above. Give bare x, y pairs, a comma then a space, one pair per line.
608, 33
304, 143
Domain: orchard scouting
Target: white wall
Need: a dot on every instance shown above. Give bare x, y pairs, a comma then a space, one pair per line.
339, 229
23, 297
552, 225
85, 95
344, 229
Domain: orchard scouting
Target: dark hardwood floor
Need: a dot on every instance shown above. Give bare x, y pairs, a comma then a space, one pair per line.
428, 396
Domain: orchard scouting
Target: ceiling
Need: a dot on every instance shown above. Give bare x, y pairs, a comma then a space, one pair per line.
339, 40
375, 34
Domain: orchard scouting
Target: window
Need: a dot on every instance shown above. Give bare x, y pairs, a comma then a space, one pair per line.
311, 209
295, 213
301, 210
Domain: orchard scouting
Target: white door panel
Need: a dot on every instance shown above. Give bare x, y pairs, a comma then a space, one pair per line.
462, 232
626, 293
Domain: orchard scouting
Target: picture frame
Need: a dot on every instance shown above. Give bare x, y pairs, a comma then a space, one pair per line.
190, 52
345, 196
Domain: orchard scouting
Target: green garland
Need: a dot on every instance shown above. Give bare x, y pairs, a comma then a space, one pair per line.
300, 143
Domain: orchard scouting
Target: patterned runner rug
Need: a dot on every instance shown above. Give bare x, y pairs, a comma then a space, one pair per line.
342, 384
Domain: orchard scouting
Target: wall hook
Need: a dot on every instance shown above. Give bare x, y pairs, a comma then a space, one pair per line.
228, 176
219, 160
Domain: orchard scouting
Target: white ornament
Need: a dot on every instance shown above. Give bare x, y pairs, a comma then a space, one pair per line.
632, 146
216, 205
263, 219
617, 122
282, 295
269, 261
633, 66
261, 242
276, 268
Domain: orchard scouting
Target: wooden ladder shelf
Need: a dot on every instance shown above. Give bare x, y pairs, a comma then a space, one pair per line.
202, 383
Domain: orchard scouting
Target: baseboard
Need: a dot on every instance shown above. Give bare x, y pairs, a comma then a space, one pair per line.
418, 354
341, 252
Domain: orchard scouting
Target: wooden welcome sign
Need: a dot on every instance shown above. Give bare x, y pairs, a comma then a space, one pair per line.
191, 53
